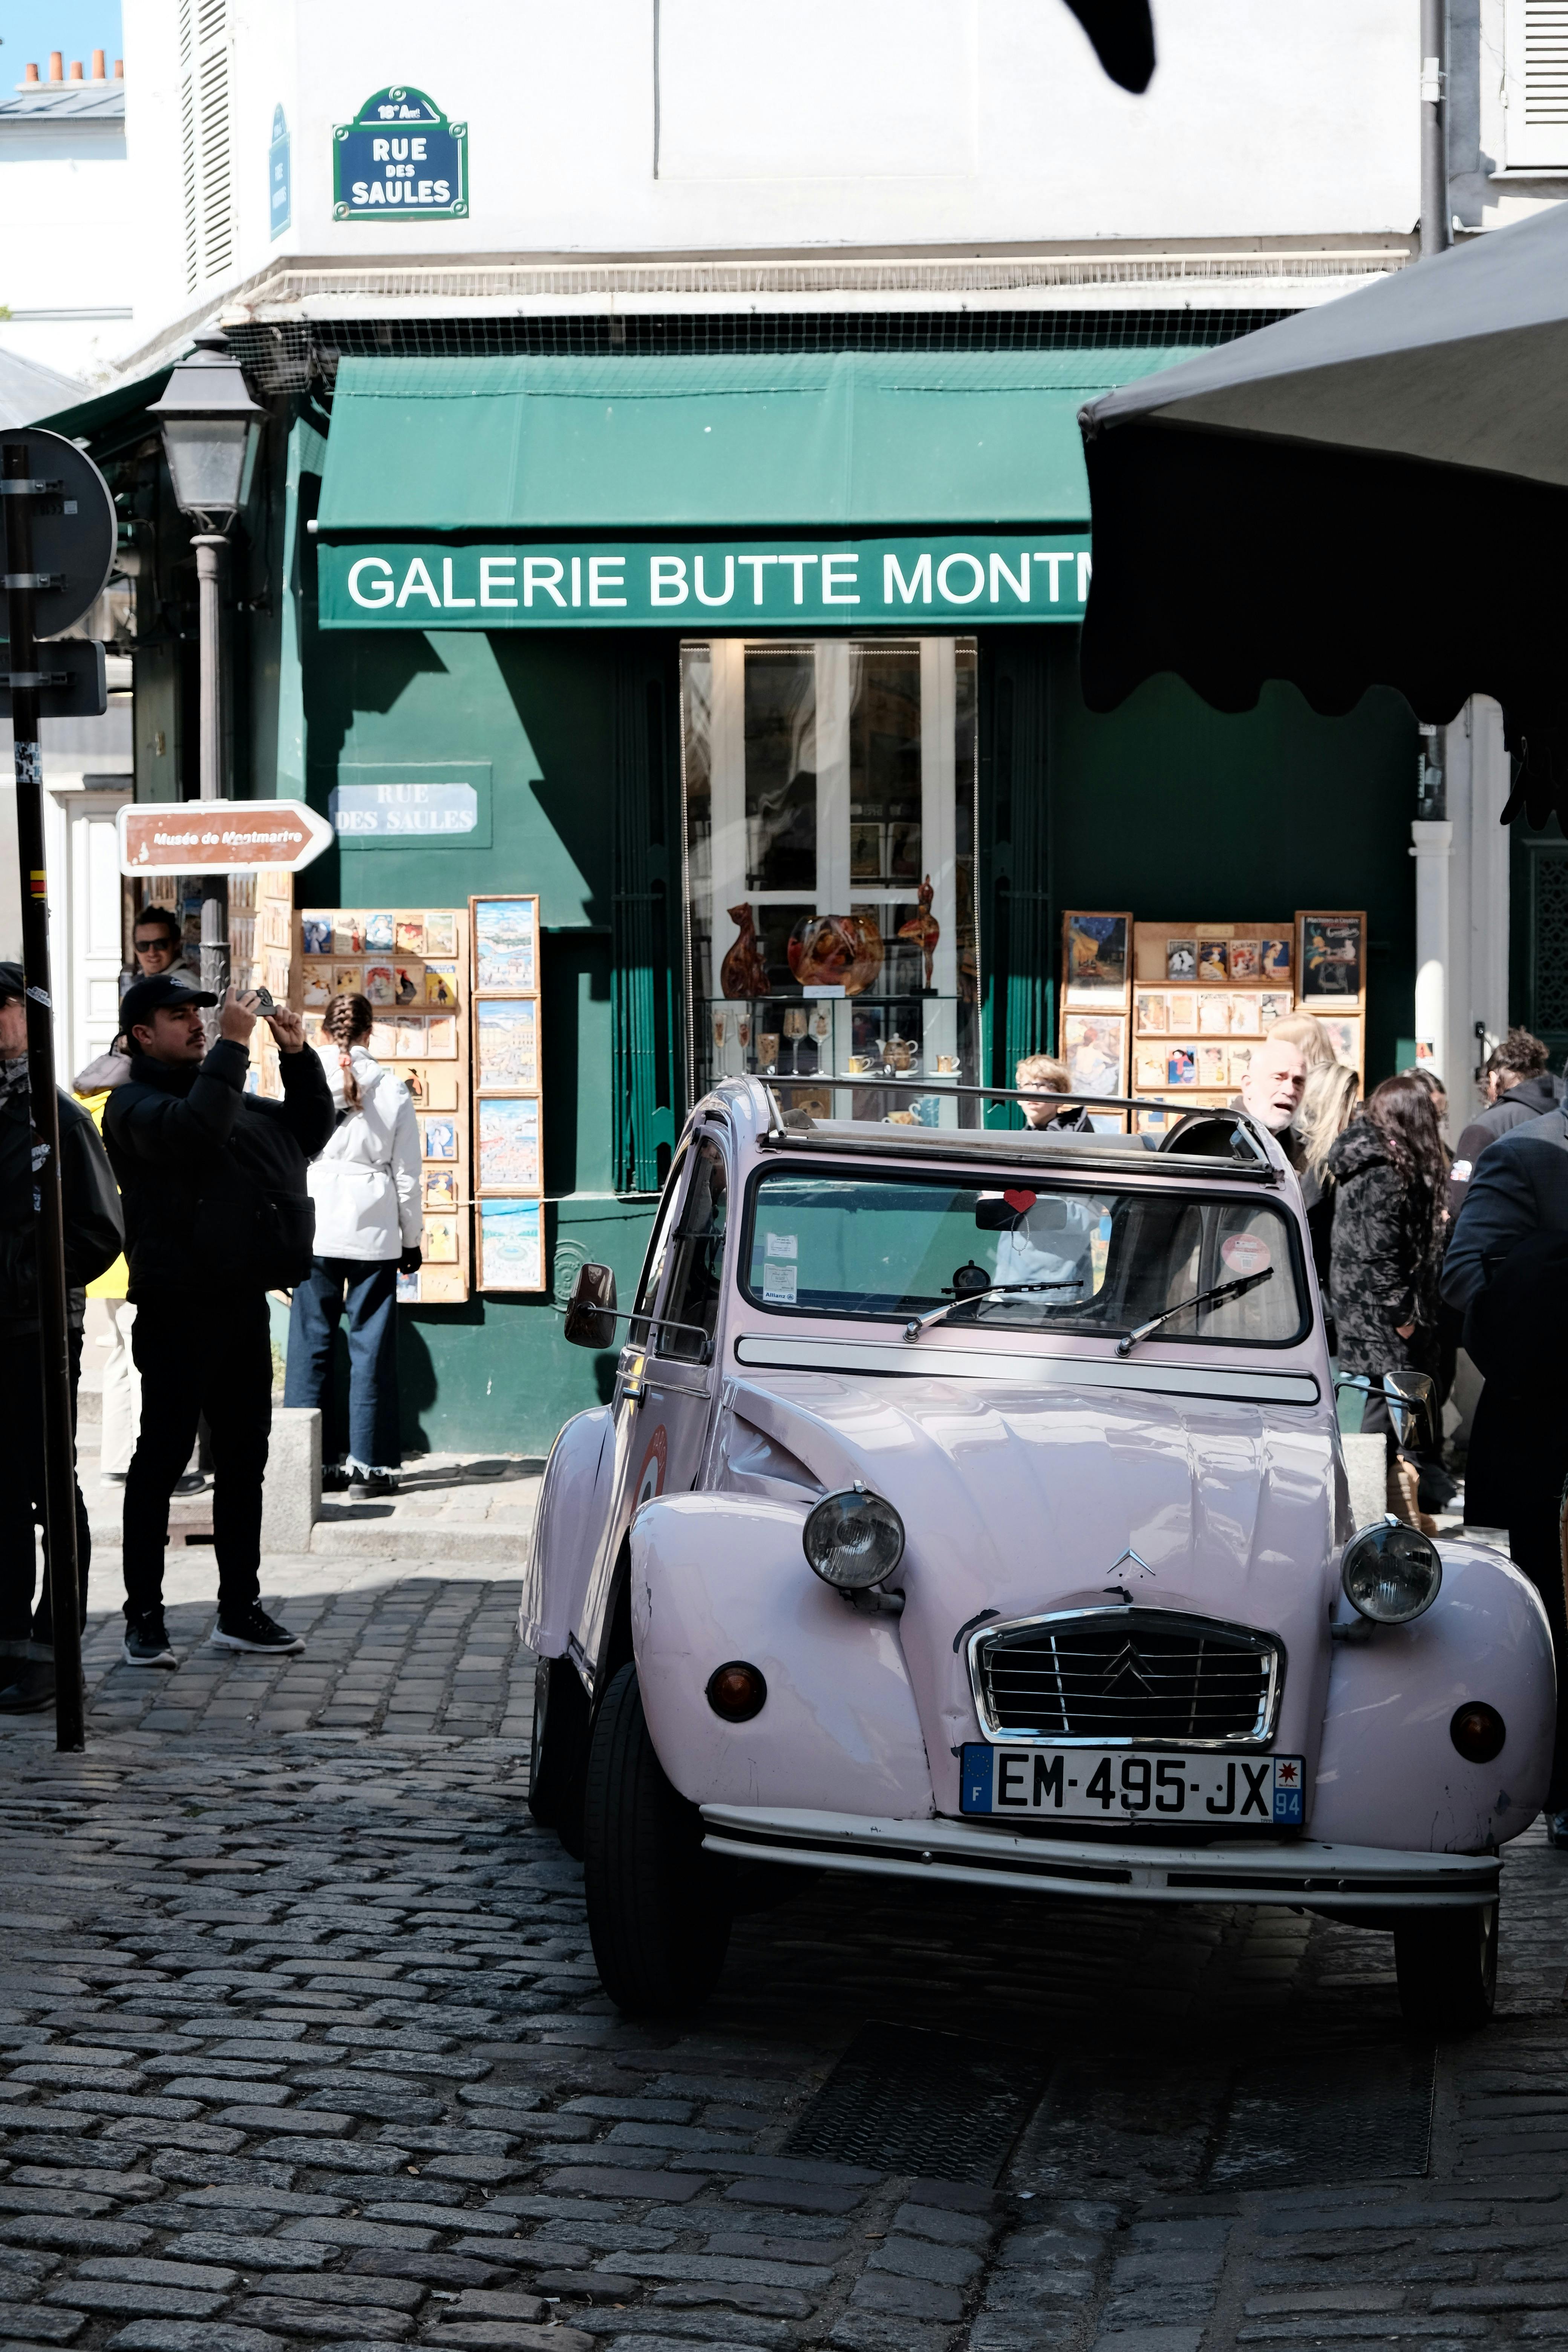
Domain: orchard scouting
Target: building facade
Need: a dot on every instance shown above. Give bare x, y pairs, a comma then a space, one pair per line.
671, 510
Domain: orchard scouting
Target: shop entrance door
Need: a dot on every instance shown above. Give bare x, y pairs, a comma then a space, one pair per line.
830, 839
85, 942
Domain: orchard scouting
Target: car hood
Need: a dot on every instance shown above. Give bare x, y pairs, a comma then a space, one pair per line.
1018, 1501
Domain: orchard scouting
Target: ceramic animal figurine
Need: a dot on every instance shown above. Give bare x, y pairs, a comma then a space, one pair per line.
923, 927
845, 949
744, 970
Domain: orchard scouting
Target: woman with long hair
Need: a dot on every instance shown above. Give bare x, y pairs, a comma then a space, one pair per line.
365, 1186
1391, 1175
1328, 1101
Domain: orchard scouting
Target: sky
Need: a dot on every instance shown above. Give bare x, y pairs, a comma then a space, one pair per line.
31, 28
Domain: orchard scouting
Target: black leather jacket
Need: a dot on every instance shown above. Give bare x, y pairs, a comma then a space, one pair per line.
93, 1230
195, 1153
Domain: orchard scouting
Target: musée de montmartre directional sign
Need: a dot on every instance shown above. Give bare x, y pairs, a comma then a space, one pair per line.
836, 584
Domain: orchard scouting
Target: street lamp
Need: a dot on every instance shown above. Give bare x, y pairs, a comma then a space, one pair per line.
211, 429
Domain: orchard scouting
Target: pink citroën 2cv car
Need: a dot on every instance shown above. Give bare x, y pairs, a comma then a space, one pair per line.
971, 1506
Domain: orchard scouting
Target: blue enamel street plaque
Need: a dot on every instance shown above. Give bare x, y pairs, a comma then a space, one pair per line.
400, 159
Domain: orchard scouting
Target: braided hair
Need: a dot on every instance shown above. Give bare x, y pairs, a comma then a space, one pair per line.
348, 1021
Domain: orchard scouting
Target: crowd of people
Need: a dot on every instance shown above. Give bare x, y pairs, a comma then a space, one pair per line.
1421, 1250
189, 1197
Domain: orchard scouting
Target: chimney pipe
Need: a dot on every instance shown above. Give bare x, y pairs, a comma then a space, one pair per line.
56, 66
75, 74
29, 75
98, 72
119, 69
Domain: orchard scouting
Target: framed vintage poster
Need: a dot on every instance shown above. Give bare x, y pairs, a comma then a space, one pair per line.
1094, 1047
1096, 961
410, 964
509, 1154
1331, 959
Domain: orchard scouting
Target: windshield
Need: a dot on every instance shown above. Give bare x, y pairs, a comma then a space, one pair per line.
890, 1247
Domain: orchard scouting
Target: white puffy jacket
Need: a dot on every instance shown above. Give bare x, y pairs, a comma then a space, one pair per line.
365, 1185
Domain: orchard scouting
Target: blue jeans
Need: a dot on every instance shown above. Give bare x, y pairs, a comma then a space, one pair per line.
369, 1288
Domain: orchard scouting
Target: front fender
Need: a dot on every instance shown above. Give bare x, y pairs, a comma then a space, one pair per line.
567, 1526
1389, 1774
719, 1577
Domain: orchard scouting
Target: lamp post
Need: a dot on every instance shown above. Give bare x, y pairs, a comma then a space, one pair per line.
211, 429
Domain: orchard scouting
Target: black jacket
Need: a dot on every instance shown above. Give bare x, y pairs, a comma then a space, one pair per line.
213, 1178
1384, 1255
93, 1230
1532, 1098
1518, 1187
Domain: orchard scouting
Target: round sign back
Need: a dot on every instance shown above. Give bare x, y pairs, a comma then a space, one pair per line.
73, 527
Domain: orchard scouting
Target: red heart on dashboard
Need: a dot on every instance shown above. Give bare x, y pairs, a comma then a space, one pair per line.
1022, 1202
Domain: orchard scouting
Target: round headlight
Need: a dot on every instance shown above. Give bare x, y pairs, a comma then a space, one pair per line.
853, 1540
1391, 1573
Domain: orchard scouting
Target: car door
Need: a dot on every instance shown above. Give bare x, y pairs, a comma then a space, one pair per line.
627, 1467
680, 1371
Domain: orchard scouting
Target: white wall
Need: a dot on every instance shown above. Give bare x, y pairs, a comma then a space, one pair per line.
62, 210
799, 124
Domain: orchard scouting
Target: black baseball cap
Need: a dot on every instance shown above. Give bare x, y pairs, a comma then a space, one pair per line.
12, 982
165, 993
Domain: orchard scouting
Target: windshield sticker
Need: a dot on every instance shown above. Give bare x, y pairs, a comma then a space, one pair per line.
1022, 1202
1245, 1253
779, 1283
783, 1246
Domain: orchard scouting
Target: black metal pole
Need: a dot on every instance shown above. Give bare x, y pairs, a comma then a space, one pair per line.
1436, 233
54, 1333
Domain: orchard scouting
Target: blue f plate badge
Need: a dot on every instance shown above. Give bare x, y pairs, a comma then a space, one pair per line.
1102, 1784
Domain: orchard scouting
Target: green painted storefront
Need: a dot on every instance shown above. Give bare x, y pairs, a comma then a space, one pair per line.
1166, 808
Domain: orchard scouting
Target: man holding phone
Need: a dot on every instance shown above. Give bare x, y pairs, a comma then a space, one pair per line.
217, 1213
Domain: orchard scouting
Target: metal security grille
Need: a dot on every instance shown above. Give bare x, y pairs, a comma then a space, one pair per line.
287, 355
1123, 1674
933, 2105
1341, 2114
1549, 943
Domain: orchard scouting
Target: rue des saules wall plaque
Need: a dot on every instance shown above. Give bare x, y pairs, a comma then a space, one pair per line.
400, 159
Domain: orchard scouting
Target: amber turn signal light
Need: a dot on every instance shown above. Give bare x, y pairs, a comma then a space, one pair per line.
1478, 1731
737, 1691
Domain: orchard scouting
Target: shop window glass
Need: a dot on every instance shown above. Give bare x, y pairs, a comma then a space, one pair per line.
830, 828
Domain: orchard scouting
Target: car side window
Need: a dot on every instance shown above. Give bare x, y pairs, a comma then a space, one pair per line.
697, 1260
658, 1250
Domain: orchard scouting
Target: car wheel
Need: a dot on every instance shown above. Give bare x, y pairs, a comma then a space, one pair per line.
658, 1908
1446, 1964
557, 1756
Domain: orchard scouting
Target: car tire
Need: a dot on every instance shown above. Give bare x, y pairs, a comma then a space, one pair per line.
658, 1908
1447, 1965
558, 1755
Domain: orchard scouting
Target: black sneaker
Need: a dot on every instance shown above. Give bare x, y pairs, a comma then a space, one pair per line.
30, 1691
373, 1482
334, 1477
253, 1629
147, 1642
1436, 1491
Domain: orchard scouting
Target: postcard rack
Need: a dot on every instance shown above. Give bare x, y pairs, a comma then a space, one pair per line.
1176, 1010
411, 964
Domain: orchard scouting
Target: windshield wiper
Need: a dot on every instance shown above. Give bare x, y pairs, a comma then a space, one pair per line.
1237, 1289
920, 1323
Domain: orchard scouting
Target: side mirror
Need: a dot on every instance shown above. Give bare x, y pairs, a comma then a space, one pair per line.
1412, 1400
591, 1309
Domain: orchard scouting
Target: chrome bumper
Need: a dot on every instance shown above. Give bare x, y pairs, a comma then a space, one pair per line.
1339, 1877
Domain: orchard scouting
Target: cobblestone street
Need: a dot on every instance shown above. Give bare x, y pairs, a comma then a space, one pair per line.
305, 2046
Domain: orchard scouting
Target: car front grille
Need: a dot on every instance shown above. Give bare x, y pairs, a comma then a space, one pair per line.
1107, 1677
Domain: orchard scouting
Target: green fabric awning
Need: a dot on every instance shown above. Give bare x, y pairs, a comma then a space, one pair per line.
106, 408
850, 441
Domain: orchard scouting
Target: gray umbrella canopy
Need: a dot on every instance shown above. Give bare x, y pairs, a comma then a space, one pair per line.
1375, 492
